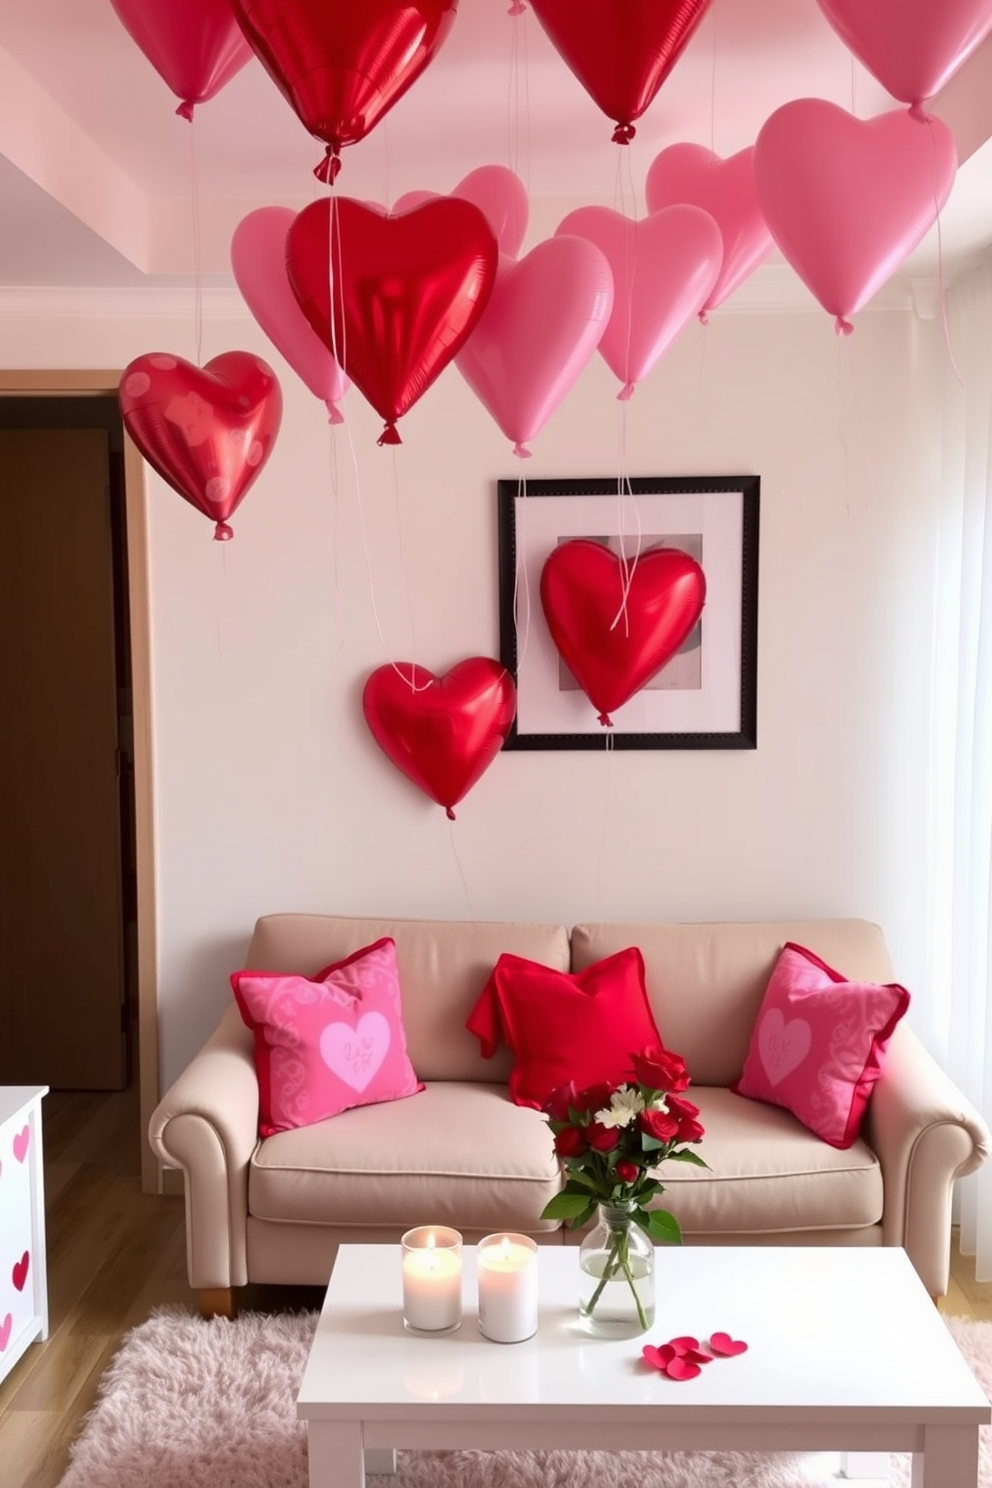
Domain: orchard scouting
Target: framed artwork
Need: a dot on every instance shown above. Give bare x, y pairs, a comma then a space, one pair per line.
705, 696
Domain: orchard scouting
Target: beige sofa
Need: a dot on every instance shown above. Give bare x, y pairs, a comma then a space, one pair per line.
460, 1153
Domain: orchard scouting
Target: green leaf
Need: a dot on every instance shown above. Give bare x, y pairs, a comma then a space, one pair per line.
565, 1206
579, 1183
684, 1155
663, 1227
580, 1219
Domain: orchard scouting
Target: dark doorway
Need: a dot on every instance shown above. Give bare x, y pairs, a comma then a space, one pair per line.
68, 902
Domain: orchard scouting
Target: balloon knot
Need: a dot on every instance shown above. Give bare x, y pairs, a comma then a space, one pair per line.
449, 813
626, 393
389, 435
605, 719
185, 110
334, 414
843, 327
918, 112
517, 8
521, 451
703, 318
623, 134
223, 533
327, 170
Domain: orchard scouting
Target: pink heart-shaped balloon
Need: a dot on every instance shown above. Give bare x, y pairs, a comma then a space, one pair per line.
727, 1347
196, 46
499, 194
664, 269
258, 258
913, 47
847, 200
582, 592
442, 732
208, 431
409, 290
545, 318
725, 188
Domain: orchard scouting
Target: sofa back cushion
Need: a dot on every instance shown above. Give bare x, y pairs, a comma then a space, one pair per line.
706, 981
443, 966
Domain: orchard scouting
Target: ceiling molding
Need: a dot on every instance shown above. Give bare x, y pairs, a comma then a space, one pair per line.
42, 141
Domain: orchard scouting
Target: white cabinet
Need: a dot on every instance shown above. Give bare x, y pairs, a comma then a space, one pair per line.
23, 1260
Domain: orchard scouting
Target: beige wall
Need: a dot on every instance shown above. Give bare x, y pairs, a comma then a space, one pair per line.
270, 793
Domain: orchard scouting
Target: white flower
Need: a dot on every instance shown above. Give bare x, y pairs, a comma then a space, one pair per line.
624, 1106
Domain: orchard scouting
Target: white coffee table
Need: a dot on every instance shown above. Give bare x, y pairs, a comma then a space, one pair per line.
847, 1354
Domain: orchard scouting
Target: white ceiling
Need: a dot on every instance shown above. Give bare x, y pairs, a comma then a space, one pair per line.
98, 177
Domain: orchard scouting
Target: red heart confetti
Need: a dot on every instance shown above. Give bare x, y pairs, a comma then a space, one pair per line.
725, 1346
682, 1358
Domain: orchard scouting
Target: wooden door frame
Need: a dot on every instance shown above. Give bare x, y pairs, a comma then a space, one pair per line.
80, 384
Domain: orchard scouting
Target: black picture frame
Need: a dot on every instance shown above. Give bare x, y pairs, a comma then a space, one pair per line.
714, 705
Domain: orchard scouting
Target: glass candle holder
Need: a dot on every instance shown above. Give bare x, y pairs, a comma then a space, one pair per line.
507, 1269
432, 1279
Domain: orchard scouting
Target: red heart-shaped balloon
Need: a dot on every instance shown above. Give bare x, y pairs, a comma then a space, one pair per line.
724, 188
621, 54
409, 290
340, 64
582, 594
442, 732
194, 45
847, 200
209, 430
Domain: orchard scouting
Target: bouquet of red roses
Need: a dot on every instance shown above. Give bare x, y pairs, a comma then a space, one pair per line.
610, 1140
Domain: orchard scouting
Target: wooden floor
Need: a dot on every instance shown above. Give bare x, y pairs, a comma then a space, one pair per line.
114, 1254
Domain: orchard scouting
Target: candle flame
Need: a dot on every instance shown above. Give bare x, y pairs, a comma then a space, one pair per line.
430, 1240
504, 1250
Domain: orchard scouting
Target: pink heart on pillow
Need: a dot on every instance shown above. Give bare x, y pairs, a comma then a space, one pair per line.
782, 1046
355, 1054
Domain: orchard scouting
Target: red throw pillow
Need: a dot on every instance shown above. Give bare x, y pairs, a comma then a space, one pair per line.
561, 1025
818, 1044
326, 1044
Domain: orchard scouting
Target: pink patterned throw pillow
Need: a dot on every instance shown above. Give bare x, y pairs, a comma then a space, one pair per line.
326, 1044
818, 1044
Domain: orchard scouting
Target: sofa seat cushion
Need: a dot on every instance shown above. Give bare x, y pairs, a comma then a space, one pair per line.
461, 1154
768, 1173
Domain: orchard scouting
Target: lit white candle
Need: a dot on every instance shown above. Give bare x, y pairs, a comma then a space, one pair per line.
507, 1266
432, 1279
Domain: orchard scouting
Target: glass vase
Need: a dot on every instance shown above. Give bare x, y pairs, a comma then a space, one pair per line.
616, 1276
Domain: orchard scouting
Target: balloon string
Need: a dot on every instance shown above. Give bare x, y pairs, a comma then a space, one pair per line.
941, 289
458, 864
608, 750
713, 16
840, 424
335, 532
628, 567
403, 567
518, 43
197, 284
520, 571
220, 602
411, 679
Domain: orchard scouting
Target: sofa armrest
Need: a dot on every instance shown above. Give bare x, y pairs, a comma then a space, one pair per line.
925, 1134
207, 1125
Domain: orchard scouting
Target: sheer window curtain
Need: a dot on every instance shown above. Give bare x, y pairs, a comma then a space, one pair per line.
957, 1014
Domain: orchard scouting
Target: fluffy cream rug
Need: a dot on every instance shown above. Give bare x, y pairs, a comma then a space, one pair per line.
194, 1404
